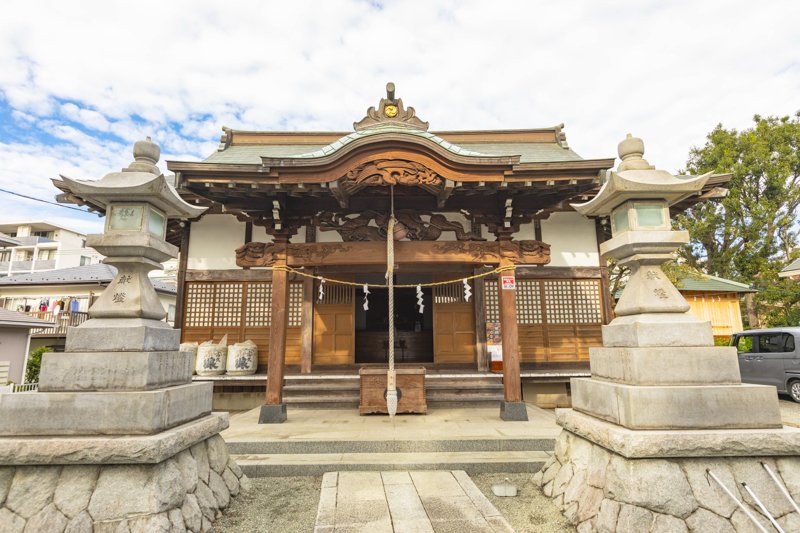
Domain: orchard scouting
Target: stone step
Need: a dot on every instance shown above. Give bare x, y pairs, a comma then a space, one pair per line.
277, 447
474, 462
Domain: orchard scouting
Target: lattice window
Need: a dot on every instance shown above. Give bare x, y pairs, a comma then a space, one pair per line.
258, 312
452, 293
529, 301
491, 300
228, 305
333, 293
573, 301
199, 305
588, 305
296, 304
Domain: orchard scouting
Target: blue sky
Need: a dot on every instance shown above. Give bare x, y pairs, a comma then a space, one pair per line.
80, 82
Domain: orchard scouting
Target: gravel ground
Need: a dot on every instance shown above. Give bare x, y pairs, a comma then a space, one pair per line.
530, 511
289, 505
273, 505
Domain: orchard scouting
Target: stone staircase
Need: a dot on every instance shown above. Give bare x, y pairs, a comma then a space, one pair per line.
442, 390
314, 458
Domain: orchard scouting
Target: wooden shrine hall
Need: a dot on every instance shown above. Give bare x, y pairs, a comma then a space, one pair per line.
287, 209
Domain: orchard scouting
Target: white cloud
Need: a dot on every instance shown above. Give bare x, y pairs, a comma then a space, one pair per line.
96, 76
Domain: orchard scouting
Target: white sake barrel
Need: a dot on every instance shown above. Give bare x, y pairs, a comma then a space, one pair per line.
211, 359
190, 347
242, 359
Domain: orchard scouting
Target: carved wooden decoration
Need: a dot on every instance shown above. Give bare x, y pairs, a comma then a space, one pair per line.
360, 228
257, 254
389, 172
391, 111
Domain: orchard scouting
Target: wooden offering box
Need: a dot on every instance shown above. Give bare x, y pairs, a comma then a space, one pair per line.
410, 385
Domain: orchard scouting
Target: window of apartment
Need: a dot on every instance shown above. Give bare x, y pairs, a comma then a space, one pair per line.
24, 255
45, 234
5, 256
83, 243
12, 234
86, 260
46, 255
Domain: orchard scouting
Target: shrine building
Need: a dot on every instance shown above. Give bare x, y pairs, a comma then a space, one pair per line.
287, 209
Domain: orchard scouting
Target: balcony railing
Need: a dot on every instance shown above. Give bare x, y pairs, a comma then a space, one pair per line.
21, 265
62, 321
45, 264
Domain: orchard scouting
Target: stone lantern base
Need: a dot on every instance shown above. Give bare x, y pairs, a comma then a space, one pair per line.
176, 480
606, 478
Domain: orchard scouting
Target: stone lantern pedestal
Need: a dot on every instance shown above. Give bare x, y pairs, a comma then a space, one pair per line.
665, 408
118, 437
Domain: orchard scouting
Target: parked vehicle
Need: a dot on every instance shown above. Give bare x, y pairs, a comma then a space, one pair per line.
770, 357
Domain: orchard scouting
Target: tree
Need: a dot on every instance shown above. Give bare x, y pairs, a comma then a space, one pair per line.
753, 232
34, 364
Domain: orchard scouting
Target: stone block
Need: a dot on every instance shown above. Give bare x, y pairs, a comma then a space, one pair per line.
665, 523
113, 371
742, 406
48, 519
6, 477
11, 523
123, 334
217, 454
514, 411
272, 414
657, 330
655, 484
124, 490
632, 518
101, 413
219, 489
75, 486
192, 516
130, 449
188, 467
32, 489
705, 365
706, 491
80, 524
680, 443
607, 516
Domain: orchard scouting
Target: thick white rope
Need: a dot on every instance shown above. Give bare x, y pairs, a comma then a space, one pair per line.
391, 383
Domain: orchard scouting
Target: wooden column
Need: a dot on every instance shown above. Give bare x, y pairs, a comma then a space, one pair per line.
512, 388
307, 328
277, 338
183, 261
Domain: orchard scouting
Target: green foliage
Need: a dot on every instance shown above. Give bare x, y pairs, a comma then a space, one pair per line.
35, 364
753, 232
722, 340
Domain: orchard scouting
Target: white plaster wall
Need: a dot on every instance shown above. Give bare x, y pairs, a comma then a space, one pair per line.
572, 240
328, 236
213, 241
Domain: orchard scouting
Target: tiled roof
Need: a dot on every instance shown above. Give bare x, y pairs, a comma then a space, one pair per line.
794, 266
529, 152
708, 283
15, 319
99, 273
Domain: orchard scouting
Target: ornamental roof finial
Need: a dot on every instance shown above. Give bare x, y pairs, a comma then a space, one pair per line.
631, 150
390, 112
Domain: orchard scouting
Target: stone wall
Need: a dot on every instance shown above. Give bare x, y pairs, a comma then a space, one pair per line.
599, 490
184, 493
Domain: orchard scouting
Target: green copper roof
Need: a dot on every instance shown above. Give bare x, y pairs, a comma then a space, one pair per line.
708, 283
794, 265
378, 130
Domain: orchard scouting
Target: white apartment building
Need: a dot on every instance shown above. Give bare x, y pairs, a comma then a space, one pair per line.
35, 246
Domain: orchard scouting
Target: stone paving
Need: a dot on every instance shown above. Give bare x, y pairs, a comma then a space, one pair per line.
405, 502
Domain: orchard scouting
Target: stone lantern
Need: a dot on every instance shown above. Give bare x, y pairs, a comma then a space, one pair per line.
117, 414
664, 406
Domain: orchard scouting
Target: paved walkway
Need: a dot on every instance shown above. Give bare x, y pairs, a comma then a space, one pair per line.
346, 424
405, 502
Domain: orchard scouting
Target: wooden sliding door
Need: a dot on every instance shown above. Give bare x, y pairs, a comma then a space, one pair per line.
453, 325
334, 326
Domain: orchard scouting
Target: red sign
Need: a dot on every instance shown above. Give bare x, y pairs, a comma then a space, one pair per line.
509, 282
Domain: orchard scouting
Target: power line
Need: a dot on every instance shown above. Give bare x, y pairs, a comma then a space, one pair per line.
43, 201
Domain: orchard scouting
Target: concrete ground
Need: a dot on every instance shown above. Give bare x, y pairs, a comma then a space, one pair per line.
790, 412
305, 425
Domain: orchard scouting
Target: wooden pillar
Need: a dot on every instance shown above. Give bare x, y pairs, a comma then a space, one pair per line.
512, 388
183, 261
277, 338
606, 298
307, 328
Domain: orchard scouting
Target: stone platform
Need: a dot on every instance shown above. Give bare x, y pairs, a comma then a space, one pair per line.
405, 502
312, 442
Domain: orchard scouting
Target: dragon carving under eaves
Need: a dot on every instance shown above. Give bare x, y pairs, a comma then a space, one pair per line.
360, 227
